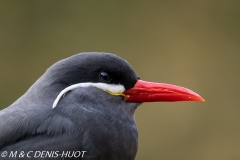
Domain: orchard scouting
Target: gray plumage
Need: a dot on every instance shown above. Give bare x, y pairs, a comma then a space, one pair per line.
85, 119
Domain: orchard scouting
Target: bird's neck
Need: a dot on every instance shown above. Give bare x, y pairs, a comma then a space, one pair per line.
41, 92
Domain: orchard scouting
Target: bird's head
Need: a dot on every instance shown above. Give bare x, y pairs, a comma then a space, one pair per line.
114, 75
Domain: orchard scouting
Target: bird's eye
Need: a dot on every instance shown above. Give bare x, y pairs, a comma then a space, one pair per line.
104, 77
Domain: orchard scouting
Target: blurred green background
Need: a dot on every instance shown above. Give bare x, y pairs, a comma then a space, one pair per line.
195, 44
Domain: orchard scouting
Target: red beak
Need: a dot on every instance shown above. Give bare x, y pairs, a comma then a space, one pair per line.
144, 91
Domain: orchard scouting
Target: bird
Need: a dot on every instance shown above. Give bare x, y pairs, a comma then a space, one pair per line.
83, 104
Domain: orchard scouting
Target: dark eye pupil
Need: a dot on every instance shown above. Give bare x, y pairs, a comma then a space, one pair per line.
104, 77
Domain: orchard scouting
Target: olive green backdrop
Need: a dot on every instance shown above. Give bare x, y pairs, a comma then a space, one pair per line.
195, 44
